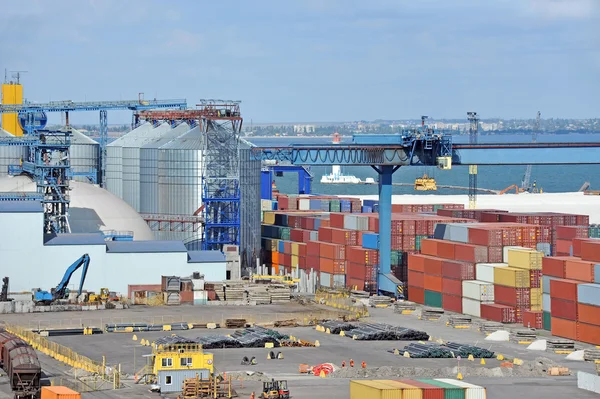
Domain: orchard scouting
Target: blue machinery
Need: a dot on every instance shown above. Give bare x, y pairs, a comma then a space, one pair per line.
387, 153
60, 292
304, 178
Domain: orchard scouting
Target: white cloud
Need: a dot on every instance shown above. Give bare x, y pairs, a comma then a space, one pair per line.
564, 9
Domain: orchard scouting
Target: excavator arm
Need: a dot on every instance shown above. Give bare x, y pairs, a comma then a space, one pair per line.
61, 288
507, 189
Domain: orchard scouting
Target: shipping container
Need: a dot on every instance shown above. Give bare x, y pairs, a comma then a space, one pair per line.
59, 392
564, 328
416, 294
562, 309
471, 307
370, 241
518, 297
546, 303
485, 271
471, 391
524, 259
498, 312
417, 279
580, 270
360, 389
458, 270
511, 277
450, 391
432, 298
471, 253
452, 286
564, 289
452, 303
590, 250
408, 391
416, 262
325, 280
588, 333
588, 294
547, 321
432, 283
478, 290
588, 314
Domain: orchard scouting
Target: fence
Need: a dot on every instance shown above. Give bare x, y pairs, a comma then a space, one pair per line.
68, 356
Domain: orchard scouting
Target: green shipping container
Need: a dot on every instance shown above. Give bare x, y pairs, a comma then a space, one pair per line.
284, 233
450, 391
547, 321
396, 258
594, 232
334, 206
437, 206
433, 298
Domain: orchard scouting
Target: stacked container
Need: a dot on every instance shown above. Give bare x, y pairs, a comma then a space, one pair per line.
415, 389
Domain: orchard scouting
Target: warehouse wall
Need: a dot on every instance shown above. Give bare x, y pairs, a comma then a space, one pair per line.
31, 264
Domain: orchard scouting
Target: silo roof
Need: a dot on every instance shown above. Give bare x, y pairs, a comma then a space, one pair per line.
179, 130
192, 140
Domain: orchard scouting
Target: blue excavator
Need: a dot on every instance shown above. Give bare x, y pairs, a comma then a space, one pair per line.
61, 291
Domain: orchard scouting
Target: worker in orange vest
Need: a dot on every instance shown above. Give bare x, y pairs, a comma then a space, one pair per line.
351, 363
343, 364
363, 365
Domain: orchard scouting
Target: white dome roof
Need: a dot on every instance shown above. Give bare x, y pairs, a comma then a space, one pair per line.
92, 208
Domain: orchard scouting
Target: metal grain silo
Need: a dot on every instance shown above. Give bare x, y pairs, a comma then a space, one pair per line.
10, 155
250, 229
149, 169
180, 175
83, 154
131, 162
114, 159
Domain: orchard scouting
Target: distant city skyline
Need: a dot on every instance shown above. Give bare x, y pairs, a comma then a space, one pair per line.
313, 60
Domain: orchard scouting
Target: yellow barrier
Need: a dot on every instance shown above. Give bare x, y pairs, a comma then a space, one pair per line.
66, 355
342, 301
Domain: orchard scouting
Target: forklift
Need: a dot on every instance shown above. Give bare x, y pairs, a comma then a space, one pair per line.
275, 390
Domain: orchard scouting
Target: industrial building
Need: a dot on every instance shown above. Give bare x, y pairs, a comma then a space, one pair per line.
33, 259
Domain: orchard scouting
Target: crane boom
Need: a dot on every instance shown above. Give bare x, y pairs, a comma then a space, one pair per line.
525, 184
59, 292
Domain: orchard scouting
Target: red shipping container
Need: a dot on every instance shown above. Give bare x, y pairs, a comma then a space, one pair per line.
361, 255
452, 303
433, 266
495, 254
336, 220
544, 233
451, 286
485, 235
554, 266
535, 278
352, 282
576, 243
429, 246
458, 270
517, 297
590, 250
409, 227
359, 271
588, 333
344, 237
570, 232
579, 270
588, 314
421, 228
333, 251
313, 248
409, 243
563, 247
562, 309
583, 220
564, 289
416, 279
397, 242
312, 262
416, 294
533, 319
432, 283
471, 253
499, 313
429, 391
186, 296
564, 328
446, 249
325, 234
416, 262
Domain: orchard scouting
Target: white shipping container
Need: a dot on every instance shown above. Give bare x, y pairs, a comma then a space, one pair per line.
339, 280
266, 205
472, 307
304, 204
546, 303
198, 284
325, 279
471, 391
485, 271
505, 252
200, 297
478, 290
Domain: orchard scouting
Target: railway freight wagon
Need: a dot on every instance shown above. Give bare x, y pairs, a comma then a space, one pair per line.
21, 364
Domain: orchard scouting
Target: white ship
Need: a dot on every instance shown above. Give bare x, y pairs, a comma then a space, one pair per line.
337, 177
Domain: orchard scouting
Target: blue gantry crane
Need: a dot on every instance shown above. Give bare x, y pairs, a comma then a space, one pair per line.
61, 292
387, 153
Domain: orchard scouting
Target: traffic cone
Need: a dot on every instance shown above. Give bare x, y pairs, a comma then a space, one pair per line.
482, 361
459, 376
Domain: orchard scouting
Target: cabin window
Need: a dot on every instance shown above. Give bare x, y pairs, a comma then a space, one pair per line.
167, 362
168, 380
186, 361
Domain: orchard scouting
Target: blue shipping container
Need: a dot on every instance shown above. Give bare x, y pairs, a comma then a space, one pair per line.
281, 248
370, 203
597, 274
376, 208
370, 240
588, 294
317, 224
367, 209
315, 204
275, 205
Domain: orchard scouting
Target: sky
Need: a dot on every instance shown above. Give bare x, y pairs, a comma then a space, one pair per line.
313, 60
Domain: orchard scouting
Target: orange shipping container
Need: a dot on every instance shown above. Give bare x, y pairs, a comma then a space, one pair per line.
415, 279
429, 246
433, 266
588, 314
590, 250
275, 257
332, 266
416, 263
579, 270
564, 328
588, 333
59, 392
432, 283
